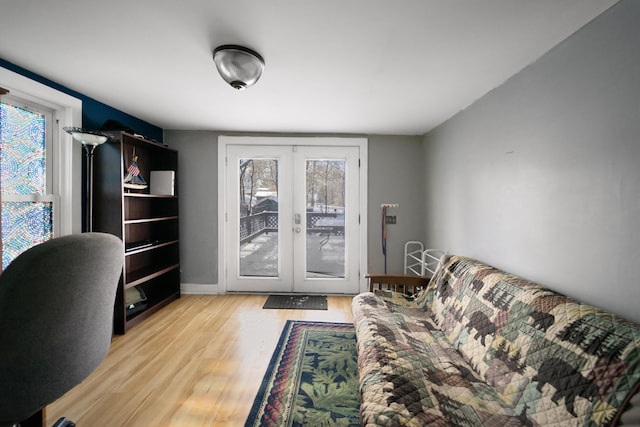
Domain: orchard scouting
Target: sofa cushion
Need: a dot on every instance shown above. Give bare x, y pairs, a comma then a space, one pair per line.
561, 360
411, 375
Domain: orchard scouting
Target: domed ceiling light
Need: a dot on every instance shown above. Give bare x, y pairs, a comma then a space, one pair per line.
239, 66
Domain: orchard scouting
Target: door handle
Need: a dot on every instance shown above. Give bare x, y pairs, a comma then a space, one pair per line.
297, 219
297, 229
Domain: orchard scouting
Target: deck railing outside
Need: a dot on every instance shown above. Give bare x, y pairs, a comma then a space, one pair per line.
253, 226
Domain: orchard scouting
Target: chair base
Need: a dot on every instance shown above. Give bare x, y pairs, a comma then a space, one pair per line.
63, 422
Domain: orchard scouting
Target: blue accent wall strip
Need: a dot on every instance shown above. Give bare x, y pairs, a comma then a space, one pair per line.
94, 113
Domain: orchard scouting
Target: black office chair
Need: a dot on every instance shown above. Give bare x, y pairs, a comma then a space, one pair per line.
56, 319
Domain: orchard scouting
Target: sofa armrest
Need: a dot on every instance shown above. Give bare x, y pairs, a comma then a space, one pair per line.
402, 283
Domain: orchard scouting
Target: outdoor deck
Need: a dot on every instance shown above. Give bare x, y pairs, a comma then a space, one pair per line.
325, 255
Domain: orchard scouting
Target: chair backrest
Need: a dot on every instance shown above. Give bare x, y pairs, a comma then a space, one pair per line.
56, 319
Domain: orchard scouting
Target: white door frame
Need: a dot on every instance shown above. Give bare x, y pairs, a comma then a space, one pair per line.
224, 141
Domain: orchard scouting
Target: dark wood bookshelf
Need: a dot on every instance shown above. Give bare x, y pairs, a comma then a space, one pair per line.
148, 224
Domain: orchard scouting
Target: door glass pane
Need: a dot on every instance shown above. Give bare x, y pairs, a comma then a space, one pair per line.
258, 217
325, 200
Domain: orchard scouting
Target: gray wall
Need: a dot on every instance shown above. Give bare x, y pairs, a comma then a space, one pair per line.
541, 177
198, 192
394, 177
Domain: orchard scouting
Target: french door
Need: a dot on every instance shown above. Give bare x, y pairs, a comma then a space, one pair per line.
292, 218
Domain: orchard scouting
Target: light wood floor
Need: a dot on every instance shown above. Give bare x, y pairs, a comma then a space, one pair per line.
197, 362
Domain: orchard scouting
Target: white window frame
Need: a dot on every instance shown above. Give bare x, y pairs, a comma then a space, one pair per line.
66, 157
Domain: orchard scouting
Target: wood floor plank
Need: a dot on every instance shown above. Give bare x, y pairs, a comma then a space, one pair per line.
197, 362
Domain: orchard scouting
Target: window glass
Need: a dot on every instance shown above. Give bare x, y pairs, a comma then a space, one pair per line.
24, 224
27, 211
22, 148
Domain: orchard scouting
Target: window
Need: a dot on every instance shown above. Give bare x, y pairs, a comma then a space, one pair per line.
28, 203
40, 166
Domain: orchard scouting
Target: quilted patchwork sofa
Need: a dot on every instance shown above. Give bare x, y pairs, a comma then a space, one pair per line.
482, 347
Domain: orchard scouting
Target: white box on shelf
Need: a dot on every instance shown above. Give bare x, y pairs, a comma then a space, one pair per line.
162, 183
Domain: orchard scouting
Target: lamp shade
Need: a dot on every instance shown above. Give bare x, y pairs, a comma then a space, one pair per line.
239, 66
86, 137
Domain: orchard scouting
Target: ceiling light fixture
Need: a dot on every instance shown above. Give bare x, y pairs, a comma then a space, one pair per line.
239, 66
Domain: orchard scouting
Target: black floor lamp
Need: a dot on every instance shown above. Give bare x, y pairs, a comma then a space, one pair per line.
89, 139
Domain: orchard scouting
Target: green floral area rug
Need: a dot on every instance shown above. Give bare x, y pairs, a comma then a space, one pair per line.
312, 379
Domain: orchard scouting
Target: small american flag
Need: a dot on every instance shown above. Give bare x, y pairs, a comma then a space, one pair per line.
133, 169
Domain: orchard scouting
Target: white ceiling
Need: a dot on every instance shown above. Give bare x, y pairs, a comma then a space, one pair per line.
332, 66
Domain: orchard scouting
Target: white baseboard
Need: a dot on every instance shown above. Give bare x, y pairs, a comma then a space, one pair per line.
200, 289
